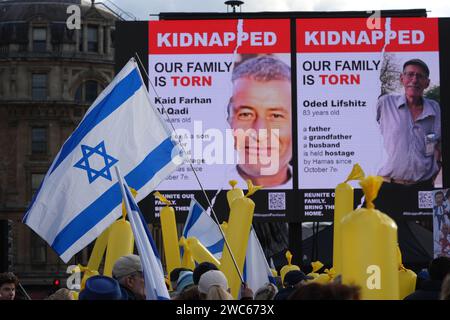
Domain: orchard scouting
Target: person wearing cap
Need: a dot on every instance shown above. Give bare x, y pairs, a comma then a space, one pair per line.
411, 128
185, 280
174, 275
213, 285
103, 288
128, 272
291, 280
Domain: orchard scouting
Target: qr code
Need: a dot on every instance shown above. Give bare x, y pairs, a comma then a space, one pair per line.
425, 199
277, 201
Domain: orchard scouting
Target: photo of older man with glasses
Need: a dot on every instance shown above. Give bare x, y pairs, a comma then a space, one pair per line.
411, 128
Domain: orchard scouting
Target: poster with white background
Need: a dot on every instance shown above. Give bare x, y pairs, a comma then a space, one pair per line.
343, 67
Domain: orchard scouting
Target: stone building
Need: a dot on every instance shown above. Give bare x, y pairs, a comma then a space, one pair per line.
49, 76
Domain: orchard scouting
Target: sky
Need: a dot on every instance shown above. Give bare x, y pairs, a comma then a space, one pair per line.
147, 10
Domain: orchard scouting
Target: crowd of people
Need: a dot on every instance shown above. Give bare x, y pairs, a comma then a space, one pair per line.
206, 282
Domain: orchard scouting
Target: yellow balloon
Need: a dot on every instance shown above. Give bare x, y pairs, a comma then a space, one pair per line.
289, 267
170, 238
369, 259
224, 226
313, 274
343, 204
407, 282
274, 272
86, 275
285, 269
187, 261
98, 251
369, 249
120, 243
316, 266
234, 193
238, 232
74, 294
322, 278
407, 278
200, 253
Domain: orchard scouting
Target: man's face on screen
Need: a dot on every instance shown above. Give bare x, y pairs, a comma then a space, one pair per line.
262, 110
439, 198
414, 80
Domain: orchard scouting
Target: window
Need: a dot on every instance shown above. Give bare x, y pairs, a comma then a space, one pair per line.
39, 39
88, 91
92, 39
38, 140
91, 88
38, 249
39, 86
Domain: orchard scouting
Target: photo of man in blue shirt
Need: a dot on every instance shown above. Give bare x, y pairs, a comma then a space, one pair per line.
411, 128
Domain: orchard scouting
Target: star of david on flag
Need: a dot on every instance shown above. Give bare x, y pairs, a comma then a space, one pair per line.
92, 173
70, 209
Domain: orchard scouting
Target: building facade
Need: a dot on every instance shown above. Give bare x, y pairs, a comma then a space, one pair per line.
49, 76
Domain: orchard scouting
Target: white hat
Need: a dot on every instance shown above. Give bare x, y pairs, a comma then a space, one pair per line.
126, 265
212, 278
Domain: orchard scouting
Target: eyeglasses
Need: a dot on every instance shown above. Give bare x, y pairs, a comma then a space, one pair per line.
419, 76
137, 274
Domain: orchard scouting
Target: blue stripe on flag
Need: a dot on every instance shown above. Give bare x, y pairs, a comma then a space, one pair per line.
216, 247
150, 238
196, 213
103, 205
272, 279
121, 93
244, 272
134, 207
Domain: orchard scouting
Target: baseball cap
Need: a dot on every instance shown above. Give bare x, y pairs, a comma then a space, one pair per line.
212, 278
126, 265
293, 277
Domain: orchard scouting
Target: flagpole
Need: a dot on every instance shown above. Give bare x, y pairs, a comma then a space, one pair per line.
23, 291
132, 218
195, 174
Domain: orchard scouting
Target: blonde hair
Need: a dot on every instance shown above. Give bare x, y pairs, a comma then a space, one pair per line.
216, 292
61, 294
266, 292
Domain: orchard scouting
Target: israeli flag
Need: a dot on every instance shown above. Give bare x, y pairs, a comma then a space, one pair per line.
79, 198
201, 226
155, 286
